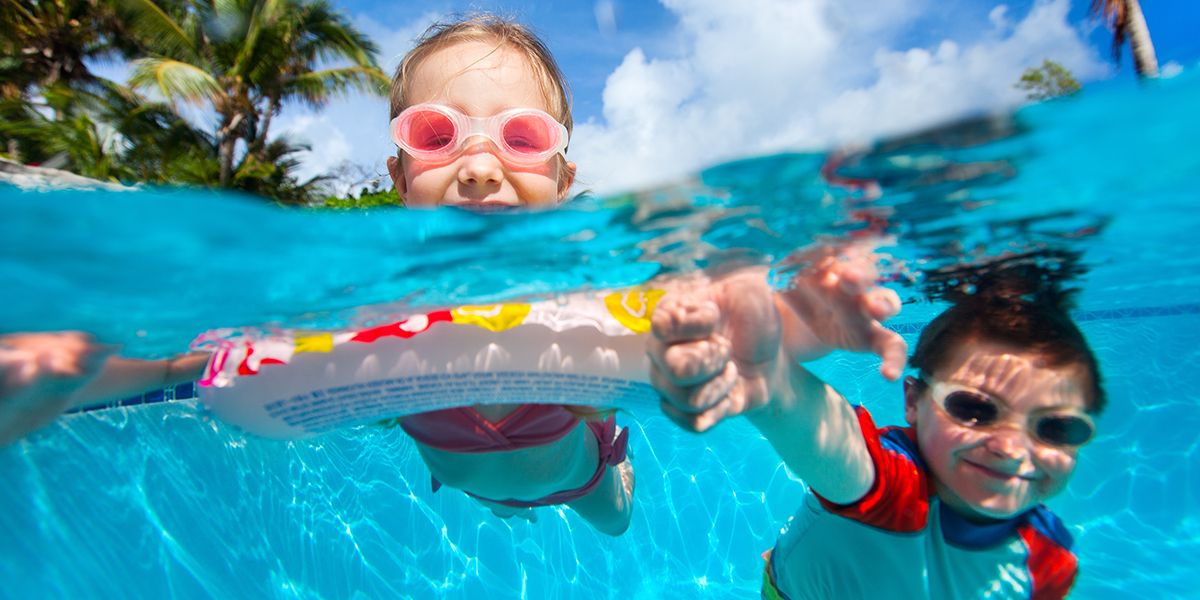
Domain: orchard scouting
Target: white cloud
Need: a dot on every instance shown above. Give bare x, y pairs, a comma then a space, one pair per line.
998, 17
770, 75
329, 144
1171, 69
606, 16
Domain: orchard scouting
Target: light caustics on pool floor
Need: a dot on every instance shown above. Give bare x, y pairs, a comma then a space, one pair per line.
161, 500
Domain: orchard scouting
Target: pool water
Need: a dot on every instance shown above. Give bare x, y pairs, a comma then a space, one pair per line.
160, 500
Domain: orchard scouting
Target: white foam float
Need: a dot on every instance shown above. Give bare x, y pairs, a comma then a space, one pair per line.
584, 349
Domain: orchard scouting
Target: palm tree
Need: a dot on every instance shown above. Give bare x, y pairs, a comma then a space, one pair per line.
1127, 22
299, 52
46, 41
104, 132
270, 172
246, 58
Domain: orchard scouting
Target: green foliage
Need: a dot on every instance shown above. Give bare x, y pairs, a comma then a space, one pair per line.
45, 42
246, 58
367, 199
271, 173
1051, 80
243, 59
109, 133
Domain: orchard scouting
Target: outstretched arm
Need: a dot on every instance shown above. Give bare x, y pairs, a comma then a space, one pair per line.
836, 303
44, 374
733, 346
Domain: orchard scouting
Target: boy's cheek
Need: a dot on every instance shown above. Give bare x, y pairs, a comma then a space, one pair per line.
1058, 465
945, 437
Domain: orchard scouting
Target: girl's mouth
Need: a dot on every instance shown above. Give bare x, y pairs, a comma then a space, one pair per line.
485, 206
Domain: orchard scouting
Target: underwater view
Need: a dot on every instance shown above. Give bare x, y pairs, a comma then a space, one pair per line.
160, 498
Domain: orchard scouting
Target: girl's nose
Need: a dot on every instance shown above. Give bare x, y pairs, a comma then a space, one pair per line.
480, 166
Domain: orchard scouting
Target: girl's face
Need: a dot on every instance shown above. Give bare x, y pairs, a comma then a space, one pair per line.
1001, 471
479, 80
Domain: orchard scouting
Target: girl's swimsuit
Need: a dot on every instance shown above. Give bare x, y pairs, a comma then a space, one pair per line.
464, 430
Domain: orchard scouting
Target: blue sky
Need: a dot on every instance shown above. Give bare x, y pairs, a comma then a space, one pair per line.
662, 89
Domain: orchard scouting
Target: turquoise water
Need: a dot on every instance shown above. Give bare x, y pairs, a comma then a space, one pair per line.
161, 500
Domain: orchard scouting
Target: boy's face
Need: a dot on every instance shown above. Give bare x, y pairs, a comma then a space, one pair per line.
479, 80
996, 472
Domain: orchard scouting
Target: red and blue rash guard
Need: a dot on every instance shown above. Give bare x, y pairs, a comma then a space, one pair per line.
899, 541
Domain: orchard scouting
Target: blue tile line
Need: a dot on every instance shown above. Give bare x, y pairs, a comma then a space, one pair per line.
189, 391
1114, 314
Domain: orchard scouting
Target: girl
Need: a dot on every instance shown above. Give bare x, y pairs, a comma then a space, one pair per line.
481, 117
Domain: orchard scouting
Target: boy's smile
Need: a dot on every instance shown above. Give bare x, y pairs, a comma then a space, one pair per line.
1000, 471
479, 80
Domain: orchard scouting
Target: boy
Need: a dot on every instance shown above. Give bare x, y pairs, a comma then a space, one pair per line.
949, 507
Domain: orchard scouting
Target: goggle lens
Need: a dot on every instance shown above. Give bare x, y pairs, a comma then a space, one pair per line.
435, 132
976, 410
971, 409
1064, 430
528, 135
428, 131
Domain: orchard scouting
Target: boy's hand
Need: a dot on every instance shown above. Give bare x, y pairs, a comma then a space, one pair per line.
840, 307
38, 374
715, 349
721, 349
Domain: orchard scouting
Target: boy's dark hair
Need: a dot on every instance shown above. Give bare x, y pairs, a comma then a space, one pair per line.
1020, 305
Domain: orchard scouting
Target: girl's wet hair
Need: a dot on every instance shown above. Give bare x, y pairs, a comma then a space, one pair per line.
1020, 304
490, 29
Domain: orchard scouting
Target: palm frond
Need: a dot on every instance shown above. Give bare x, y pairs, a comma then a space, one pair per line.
316, 87
158, 31
330, 36
175, 80
1116, 15
263, 17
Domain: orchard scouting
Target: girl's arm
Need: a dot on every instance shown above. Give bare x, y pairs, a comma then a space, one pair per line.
44, 374
125, 377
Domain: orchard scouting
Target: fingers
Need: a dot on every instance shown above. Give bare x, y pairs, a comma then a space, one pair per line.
697, 422
745, 394
71, 354
18, 367
892, 349
684, 317
696, 398
855, 277
881, 303
702, 337
55, 359
690, 363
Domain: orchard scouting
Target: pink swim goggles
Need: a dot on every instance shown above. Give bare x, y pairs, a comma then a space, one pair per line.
525, 136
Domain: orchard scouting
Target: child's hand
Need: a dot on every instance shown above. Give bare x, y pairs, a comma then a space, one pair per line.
840, 307
715, 349
38, 374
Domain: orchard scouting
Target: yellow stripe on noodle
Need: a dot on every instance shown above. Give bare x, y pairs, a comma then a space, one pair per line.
633, 309
493, 317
